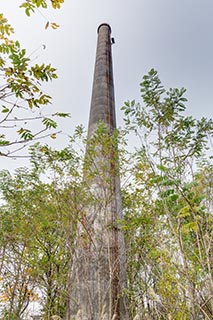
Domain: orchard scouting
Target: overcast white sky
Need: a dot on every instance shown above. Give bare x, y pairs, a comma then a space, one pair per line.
173, 36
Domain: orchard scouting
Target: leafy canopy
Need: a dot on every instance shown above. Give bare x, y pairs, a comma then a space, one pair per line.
22, 99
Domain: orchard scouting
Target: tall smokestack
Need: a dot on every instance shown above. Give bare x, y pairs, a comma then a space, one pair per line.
103, 102
98, 273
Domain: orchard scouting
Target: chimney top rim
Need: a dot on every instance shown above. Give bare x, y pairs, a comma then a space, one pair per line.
104, 24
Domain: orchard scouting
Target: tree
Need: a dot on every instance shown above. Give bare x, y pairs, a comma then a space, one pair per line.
167, 203
21, 95
31, 5
168, 207
38, 221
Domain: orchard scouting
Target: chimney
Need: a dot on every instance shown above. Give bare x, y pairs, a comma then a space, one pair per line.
103, 103
98, 272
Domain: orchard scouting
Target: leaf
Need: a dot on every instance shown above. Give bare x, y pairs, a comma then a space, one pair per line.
54, 25
4, 142
25, 134
188, 227
167, 193
61, 114
44, 149
184, 212
49, 123
174, 197
47, 25
162, 168
53, 136
5, 109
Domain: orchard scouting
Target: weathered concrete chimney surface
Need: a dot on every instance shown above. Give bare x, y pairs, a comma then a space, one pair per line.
103, 102
98, 273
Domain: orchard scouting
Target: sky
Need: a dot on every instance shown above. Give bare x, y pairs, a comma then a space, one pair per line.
172, 36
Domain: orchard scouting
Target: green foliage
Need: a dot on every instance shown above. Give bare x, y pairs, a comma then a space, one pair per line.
168, 206
38, 226
30, 5
21, 91
167, 196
